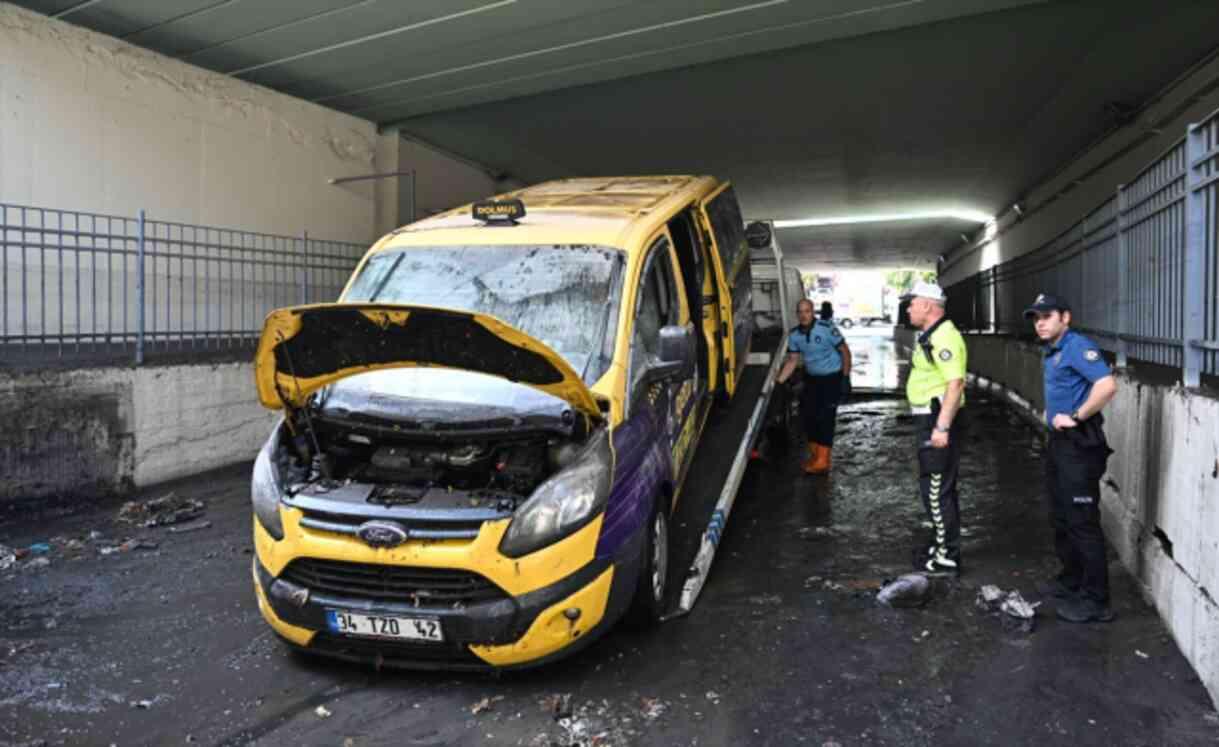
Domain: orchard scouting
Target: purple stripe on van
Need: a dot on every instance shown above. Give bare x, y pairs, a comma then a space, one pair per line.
643, 464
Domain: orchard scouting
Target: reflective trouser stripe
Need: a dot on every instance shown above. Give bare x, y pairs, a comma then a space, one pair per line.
936, 517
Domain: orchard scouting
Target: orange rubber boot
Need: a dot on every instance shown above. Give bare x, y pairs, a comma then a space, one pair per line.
814, 457
822, 465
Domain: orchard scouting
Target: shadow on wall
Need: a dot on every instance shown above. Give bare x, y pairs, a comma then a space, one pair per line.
74, 437
86, 433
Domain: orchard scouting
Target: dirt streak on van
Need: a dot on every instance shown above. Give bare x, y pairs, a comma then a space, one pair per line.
483, 440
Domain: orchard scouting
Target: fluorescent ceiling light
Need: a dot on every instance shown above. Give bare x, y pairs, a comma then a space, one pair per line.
971, 216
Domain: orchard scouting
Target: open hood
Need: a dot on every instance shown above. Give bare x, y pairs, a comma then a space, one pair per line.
304, 348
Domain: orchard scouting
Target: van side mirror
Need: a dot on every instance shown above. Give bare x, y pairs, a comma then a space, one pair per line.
677, 354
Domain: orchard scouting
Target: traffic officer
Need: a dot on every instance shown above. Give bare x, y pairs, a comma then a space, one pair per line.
936, 392
1078, 385
826, 360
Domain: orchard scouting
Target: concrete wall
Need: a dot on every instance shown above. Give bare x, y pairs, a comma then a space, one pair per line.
90, 432
441, 180
93, 123
1160, 497
1054, 205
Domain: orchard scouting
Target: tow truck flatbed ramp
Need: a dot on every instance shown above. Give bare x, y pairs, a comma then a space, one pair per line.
722, 455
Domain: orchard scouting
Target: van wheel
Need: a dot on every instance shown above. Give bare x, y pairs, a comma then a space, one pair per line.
647, 607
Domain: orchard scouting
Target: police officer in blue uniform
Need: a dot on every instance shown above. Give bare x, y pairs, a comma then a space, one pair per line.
1078, 385
818, 348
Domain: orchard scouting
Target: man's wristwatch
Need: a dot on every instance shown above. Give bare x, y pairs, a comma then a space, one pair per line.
941, 430
1075, 416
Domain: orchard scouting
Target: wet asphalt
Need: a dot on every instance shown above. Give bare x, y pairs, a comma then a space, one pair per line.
786, 646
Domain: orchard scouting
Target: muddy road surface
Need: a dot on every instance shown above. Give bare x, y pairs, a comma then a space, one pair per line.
159, 641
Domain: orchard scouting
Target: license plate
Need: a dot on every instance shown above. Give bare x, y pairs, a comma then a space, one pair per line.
384, 626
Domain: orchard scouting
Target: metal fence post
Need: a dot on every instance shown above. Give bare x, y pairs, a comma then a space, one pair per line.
305, 268
139, 292
996, 326
1194, 329
1123, 305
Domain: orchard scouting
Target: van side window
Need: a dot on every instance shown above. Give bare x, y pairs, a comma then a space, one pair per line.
656, 307
725, 215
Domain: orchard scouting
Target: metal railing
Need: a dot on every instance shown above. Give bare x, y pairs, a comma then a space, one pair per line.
84, 287
1141, 269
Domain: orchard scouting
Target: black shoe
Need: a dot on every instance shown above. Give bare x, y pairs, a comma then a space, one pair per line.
1083, 610
1057, 588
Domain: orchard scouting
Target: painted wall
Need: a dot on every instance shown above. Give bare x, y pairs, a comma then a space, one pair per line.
88, 122
1160, 497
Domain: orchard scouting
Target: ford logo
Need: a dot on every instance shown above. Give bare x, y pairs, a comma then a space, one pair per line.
382, 533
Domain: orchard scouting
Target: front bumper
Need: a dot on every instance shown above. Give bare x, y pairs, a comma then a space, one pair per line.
515, 631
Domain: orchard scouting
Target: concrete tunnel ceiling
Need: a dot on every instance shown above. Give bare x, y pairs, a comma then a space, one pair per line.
837, 107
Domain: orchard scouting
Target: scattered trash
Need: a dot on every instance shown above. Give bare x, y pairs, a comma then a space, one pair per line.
38, 563
990, 594
714, 697
8, 558
484, 704
1016, 606
163, 511
191, 527
40, 547
766, 599
557, 705
141, 704
909, 590
812, 581
810, 533
322, 712
128, 546
1016, 610
1140, 654
651, 708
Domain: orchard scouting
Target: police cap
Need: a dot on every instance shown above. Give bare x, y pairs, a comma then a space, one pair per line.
1046, 302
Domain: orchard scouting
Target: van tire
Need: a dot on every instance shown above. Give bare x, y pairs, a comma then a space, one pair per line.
648, 604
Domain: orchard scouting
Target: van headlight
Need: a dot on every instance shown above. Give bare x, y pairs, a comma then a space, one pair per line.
564, 503
264, 490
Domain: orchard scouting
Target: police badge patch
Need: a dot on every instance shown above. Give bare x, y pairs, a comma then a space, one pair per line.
1092, 355
945, 355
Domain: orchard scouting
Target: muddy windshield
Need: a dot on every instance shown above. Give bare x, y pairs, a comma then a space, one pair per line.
563, 295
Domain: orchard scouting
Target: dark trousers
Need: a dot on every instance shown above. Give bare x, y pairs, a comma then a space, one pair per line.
1075, 461
937, 481
819, 406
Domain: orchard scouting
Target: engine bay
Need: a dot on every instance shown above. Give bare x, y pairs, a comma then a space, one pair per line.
404, 468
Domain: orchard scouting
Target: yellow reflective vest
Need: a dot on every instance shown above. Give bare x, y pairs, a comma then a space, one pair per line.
939, 356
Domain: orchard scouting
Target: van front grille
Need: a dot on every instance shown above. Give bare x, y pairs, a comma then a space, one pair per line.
392, 583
